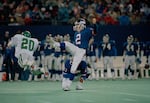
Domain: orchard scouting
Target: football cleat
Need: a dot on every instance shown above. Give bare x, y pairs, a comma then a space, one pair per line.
79, 87
66, 89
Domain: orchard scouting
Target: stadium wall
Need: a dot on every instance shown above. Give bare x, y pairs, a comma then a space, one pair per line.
116, 32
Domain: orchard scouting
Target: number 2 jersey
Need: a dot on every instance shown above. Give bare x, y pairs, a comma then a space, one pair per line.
82, 38
24, 44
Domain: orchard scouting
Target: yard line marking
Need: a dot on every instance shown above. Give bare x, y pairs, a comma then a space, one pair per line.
88, 101
129, 100
42, 101
131, 94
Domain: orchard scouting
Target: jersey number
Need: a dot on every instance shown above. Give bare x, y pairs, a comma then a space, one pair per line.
78, 39
27, 44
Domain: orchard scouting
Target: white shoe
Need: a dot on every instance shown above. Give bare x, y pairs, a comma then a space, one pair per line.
79, 87
66, 89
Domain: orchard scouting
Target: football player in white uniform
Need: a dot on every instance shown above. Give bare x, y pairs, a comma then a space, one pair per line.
24, 49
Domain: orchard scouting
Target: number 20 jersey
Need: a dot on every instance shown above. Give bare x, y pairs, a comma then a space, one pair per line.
24, 44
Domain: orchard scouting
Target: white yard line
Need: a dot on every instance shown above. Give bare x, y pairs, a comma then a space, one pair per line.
129, 100
88, 101
43, 101
132, 94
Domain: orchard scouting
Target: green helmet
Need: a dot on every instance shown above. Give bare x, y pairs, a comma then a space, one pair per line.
26, 33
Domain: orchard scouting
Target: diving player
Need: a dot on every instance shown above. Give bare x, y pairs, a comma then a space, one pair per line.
129, 55
24, 49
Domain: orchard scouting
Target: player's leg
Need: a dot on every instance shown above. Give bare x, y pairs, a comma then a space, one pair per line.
83, 75
111, 67
1, 61
137, 70
149, 60
67, 80
133, 68
54, 69
59, 70
90, 69
50, 62
105, 63
77, 59
46, 67
28, 62
127, 64
66, 83
77, 54
96, 70
15, 68
46, 62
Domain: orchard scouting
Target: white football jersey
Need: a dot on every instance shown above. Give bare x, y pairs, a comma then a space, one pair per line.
24, 45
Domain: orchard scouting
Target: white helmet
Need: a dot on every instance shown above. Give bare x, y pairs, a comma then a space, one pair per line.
79, 25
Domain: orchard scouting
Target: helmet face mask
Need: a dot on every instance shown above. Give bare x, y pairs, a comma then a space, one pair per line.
106, 38
130, 39
26, 33
79, 25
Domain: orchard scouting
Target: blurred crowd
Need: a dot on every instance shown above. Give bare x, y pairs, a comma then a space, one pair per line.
64, 12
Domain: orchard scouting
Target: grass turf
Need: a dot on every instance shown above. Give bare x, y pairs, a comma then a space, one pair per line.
118, 91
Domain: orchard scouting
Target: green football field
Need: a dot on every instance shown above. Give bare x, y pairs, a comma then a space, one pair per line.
118, 91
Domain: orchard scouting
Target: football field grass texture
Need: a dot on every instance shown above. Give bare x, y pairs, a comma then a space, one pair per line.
118, 91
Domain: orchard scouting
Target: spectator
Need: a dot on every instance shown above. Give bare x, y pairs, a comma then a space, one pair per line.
63, 14
124, 19
21, 12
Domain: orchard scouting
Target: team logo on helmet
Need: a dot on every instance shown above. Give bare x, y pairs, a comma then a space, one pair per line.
26, 33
